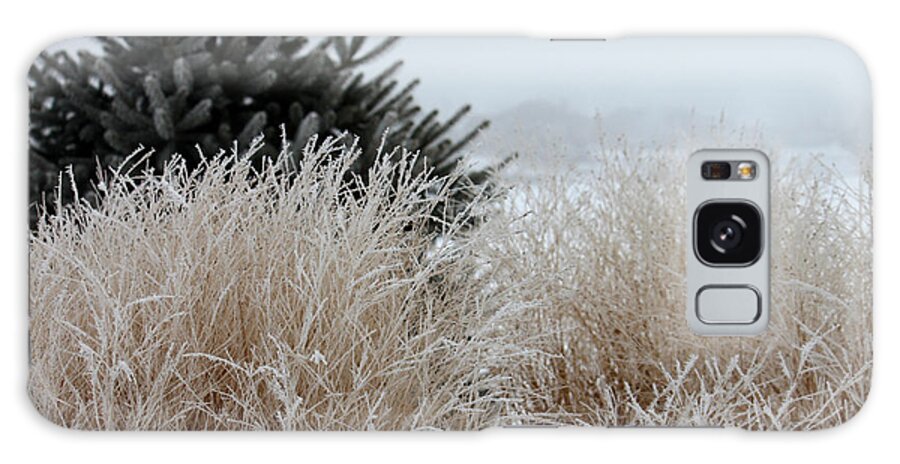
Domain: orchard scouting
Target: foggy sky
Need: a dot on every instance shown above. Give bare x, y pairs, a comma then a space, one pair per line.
804, 94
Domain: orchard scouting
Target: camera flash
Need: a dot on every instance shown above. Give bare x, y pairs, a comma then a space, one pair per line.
746, 170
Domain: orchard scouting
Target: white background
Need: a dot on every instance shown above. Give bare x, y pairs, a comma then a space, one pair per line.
870, 28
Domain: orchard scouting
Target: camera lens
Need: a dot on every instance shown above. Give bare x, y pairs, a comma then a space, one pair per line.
728, 233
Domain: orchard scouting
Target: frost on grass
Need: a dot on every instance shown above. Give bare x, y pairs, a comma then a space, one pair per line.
291, 297
273, 298
612, 254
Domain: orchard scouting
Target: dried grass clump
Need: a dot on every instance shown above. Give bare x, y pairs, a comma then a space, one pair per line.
611, 253
233, 299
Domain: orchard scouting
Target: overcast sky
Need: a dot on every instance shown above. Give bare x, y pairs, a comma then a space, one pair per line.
804, 94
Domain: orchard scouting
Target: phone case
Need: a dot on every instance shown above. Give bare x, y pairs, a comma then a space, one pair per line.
289, 233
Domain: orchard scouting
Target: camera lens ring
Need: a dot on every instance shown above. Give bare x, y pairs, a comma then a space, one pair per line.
743, 243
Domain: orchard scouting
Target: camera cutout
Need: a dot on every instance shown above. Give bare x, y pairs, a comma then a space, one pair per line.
727, 242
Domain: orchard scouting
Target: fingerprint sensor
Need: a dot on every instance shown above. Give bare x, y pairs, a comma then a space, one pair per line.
728, 304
